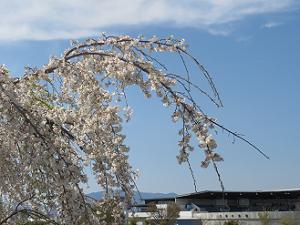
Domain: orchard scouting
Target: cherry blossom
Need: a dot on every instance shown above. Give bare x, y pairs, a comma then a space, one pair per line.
57, 119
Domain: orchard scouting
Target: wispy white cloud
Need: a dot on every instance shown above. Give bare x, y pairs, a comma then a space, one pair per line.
244, 39
272, 24
58, 19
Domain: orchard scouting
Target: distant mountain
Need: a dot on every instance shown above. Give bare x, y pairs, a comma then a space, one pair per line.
137, 198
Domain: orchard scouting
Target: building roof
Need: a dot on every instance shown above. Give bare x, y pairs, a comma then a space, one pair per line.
209, 194
291, 193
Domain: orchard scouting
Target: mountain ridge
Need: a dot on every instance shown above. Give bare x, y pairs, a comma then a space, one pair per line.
138, 196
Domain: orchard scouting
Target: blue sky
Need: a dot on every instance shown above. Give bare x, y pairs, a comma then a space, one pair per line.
251, 48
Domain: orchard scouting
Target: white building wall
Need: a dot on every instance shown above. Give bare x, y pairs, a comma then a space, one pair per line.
244, 218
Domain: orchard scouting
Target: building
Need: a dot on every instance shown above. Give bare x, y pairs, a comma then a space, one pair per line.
216, 207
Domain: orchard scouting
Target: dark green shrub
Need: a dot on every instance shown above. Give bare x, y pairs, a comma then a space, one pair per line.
231, 222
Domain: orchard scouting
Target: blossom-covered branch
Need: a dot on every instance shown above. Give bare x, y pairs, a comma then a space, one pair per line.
58, 119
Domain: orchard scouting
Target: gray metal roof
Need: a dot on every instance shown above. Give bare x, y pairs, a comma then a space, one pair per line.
209, 194
284, 193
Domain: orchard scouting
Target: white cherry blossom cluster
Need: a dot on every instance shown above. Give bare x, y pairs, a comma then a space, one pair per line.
56, 120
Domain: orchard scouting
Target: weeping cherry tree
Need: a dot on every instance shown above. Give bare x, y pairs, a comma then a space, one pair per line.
58, 119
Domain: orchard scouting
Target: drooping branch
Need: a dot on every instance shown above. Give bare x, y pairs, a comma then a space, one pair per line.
28, 211
57, 119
